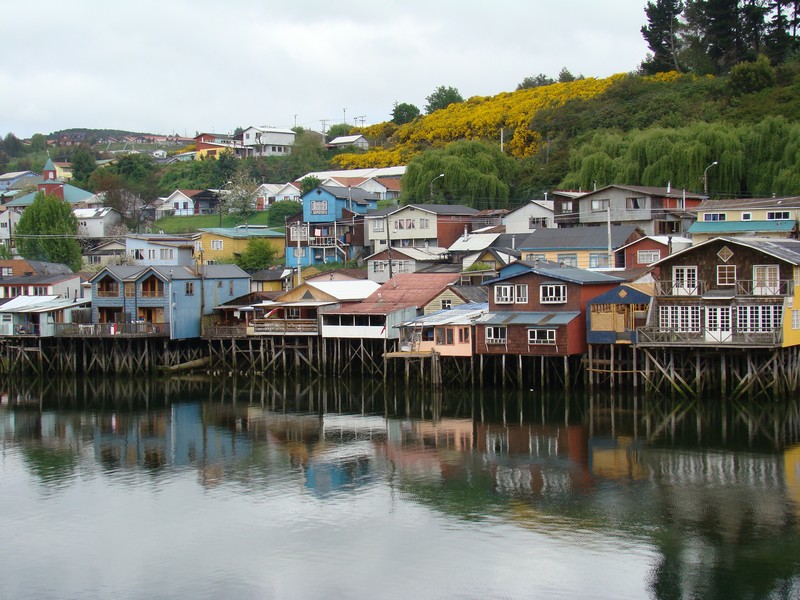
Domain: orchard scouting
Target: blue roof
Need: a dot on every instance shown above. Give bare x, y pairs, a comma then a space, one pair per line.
722, 227
562, 273
621, 295
72, 194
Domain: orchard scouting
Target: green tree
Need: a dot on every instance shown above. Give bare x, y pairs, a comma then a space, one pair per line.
309, 183
748, 77
83, 164
258, 254
47, 231
240, 200
12, 145
279, 211
338, 130
536, 81
565, 76
404, 113
442, 97
476, 174
139, 173
225, 168
661, 35
38, 142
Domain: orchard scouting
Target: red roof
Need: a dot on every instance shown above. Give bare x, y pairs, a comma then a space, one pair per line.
402, 291
390, 183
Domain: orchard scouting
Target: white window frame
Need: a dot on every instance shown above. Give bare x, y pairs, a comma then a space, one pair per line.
217, 245
685, 281
795, 319
645, 257
504, 294
538, 337
746, 216
682, 318
378, 225
599, 205
553, 293
521, 293
569, 260
496, 335
319, 207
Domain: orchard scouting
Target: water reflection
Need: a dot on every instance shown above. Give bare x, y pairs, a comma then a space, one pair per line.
707, 493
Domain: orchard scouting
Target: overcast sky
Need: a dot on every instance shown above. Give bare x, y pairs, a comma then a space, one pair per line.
183, 66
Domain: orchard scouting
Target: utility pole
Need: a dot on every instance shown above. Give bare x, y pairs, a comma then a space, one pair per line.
344, 115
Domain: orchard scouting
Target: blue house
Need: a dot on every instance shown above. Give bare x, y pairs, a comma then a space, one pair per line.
160, 301
331, 227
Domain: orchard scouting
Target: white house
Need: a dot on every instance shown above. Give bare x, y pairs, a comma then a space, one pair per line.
532, 215
96, 222
289, 191
9, 219
160, 249
359, 141
268, 141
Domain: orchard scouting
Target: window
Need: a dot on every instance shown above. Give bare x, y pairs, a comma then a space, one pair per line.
537, 222
598, 260
568, 260
534, 257
406, 223
463, 335
293, 312
521, 293
762, 318
726, 274
151, 254
684, 281
167, 253
189, 291
447, 304
496, 334
504, 294
633, 203
378, 266
6, 271
598, 205
645, 257
298, 232
299, 252
198, 246
553, 293
319, 207
746, 216
541, 336
796, 319
766, 280
566, 206
216, 244
714, 217
4, 225
136, 254
424, 223
378, 225
683, 318
445, 336
772, 216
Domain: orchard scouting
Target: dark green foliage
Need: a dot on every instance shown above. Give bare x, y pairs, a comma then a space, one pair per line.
338, 130
533, 82
309, 183
47, 230
442, 97
258, 254
279, 211
476, 174
749, 77
83, 165
661, 35
404, 113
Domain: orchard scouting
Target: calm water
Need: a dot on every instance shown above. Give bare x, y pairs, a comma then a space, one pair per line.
223, 489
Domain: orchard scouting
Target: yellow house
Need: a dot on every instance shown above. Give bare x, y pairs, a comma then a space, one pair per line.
582, 247
225, 243
761, 217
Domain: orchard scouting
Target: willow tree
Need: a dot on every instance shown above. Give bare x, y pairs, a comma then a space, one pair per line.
47, 231
472, 173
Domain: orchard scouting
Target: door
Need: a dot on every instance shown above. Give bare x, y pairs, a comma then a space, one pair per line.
718, 324
684, 281
766, 280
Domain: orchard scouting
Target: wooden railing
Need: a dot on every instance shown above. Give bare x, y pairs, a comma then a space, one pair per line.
111, 329
225, 331
742, 287
285, 326
664, 336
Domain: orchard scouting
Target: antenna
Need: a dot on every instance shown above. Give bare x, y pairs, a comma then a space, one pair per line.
361, 118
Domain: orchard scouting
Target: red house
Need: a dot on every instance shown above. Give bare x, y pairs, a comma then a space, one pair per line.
539, 309
651, 248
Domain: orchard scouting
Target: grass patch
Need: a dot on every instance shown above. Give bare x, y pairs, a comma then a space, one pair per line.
193, 223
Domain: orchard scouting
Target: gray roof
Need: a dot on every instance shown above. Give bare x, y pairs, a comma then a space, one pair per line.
577, 238
463, 314
174, 272
471, 293
559, 272
355, 194
531, 319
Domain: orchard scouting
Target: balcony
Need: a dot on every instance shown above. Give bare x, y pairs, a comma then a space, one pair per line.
285, 327
323, 242
742, 287
666, 336
108, 293
114, 330
225, 331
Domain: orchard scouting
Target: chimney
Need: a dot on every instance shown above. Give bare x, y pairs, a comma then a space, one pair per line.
669, 186
513, 242
466, 236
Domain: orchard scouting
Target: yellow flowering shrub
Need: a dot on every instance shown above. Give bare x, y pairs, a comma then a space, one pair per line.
478, 118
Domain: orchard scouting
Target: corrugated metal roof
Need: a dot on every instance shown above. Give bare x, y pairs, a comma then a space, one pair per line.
463, 314
354, 289
473, 242
402, 291
37, 304
531, 319
577, 238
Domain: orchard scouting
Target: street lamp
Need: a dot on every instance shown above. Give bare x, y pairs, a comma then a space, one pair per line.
705, 177
434, 179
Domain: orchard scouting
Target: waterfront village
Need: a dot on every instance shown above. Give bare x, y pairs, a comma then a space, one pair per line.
659, 287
